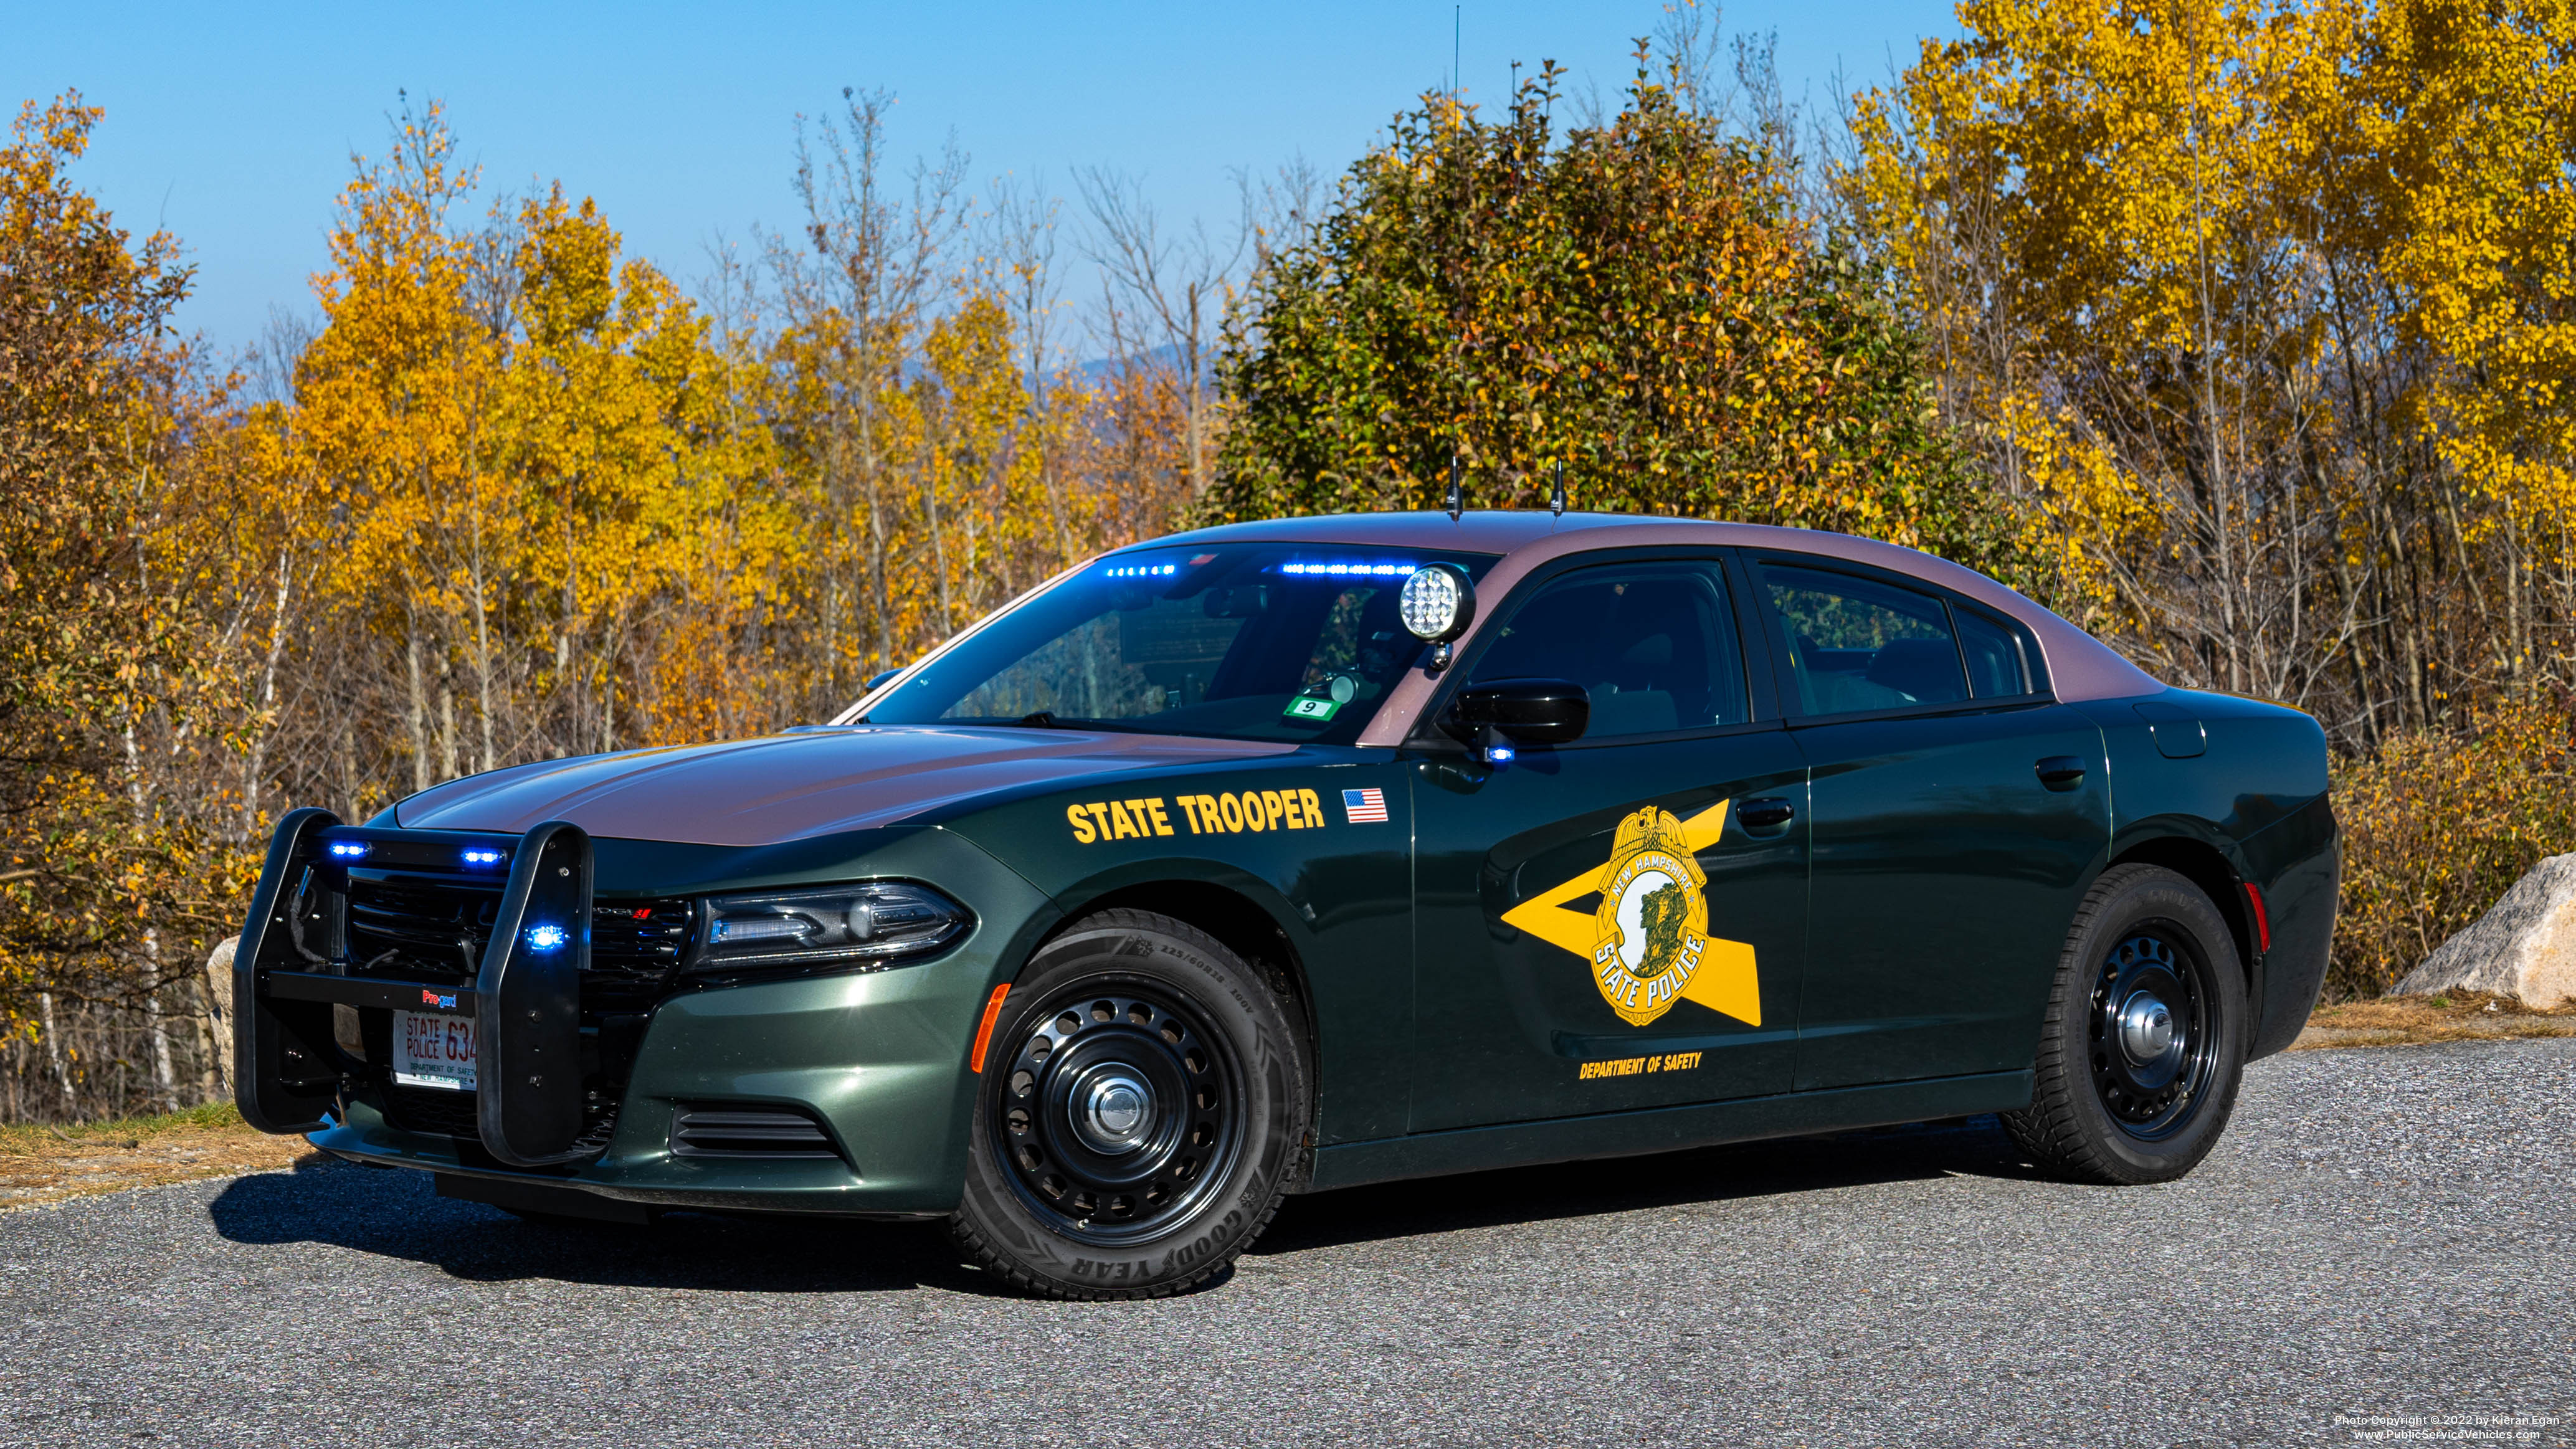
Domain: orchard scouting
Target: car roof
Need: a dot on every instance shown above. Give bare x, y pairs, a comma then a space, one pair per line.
2080, 667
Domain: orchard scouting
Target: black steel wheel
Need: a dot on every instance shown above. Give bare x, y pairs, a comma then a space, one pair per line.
1117, 1108
1143, 1108
2144, 1039
2153, 1050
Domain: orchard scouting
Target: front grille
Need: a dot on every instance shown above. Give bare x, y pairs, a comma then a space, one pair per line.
634, 950
409, 928
717, 1129
405, 930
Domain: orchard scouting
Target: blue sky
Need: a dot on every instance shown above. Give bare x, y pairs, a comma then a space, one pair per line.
233, 125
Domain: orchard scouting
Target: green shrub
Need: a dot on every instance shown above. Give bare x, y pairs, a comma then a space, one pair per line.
2438, 826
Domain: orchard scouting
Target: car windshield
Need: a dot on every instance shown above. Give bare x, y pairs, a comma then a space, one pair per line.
1265, 641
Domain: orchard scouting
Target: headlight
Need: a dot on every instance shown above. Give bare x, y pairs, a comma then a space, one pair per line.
872, 922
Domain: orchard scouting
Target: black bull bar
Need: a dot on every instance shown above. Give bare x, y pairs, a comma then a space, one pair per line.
525, 998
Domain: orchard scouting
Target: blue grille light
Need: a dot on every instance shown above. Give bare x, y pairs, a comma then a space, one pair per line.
546, 938
1499, 754
480, 856
348, 849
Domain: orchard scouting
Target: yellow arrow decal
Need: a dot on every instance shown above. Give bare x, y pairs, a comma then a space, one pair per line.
1727, 979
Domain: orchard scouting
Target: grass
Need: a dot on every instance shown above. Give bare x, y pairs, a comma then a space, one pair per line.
41, 1164
2452, 1016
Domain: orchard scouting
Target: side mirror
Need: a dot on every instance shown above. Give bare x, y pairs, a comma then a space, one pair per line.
1525, 711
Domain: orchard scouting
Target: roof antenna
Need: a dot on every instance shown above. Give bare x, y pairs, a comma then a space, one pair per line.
1457, 498
1556, 495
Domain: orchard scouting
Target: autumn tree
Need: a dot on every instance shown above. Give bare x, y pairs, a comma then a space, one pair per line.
1638, 303
107, 882
393, 403
2261, 313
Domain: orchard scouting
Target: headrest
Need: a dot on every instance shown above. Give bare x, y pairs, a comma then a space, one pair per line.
1651, 651
1927, 669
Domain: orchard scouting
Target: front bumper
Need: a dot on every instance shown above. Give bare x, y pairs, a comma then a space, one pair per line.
877, 1059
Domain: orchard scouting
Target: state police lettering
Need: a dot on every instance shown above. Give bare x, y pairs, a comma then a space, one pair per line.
1232, 813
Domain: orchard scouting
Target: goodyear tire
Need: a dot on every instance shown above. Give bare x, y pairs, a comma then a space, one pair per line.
2144, 1043
1143, 1109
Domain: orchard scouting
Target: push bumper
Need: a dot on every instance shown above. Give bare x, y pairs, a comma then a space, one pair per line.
877, 1060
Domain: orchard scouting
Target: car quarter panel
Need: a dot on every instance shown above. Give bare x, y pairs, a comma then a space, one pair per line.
1329, 863
2255, 794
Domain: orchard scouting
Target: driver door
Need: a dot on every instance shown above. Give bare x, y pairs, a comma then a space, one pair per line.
1619, 922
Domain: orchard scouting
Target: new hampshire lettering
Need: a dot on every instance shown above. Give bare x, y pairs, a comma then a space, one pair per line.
1231, 814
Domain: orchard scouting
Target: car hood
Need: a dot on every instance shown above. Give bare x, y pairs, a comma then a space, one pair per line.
794, 785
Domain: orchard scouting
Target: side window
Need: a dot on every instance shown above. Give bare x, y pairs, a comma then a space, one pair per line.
1856, 644
1994, 655
1654, 644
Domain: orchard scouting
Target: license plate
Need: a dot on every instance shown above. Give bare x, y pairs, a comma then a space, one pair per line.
434, 1051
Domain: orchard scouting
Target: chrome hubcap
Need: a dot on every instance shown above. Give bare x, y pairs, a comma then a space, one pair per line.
2146, 1029
1116, 1113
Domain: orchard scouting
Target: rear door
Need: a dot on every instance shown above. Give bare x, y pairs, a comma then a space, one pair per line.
1597, 927
1958, 812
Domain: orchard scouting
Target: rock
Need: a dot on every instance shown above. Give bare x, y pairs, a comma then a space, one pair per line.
2524, 948
219, 1006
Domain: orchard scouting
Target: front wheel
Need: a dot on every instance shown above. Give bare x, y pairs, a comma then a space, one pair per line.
2144, 1042
1143, 1109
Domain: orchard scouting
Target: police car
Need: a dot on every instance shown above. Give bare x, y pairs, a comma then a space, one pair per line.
1286, 856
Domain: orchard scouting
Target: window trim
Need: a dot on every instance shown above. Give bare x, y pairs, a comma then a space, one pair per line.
1775, 637
1759, 688
2034, 665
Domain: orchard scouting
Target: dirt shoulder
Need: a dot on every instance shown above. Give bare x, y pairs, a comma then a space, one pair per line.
48, 1164
2454, 1016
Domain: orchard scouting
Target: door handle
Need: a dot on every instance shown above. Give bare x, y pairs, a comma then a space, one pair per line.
2060, 772
1765, 813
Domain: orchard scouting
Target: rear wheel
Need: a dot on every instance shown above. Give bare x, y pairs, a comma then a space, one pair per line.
1142, 1110
2144, 1043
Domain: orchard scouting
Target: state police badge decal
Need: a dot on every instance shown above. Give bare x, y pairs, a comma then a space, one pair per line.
1652, 927
1647, 944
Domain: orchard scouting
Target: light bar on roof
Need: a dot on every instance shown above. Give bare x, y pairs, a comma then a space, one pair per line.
1347, 570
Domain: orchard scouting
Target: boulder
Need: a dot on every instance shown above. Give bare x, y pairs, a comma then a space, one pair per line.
2525, 947
219, 1007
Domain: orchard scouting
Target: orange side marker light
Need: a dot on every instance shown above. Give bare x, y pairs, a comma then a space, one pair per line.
984, 1033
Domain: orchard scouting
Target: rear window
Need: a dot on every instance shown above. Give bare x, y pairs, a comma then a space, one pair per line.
1856, 645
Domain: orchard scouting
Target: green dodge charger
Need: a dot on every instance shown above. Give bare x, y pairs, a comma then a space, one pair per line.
1288, 856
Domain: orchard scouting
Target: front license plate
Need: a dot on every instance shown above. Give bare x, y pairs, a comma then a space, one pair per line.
434, 1051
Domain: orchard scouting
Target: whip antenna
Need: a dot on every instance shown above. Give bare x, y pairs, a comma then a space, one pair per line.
1457, 498
1556, 495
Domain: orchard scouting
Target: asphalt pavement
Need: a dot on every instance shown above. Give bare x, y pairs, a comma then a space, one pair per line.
2380, 1251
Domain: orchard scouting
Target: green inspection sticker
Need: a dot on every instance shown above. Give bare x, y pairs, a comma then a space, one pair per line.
1307, 706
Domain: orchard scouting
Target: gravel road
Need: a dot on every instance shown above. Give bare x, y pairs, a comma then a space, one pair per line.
2385, 1232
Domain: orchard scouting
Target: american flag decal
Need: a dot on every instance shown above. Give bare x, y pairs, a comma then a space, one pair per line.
1364, 807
